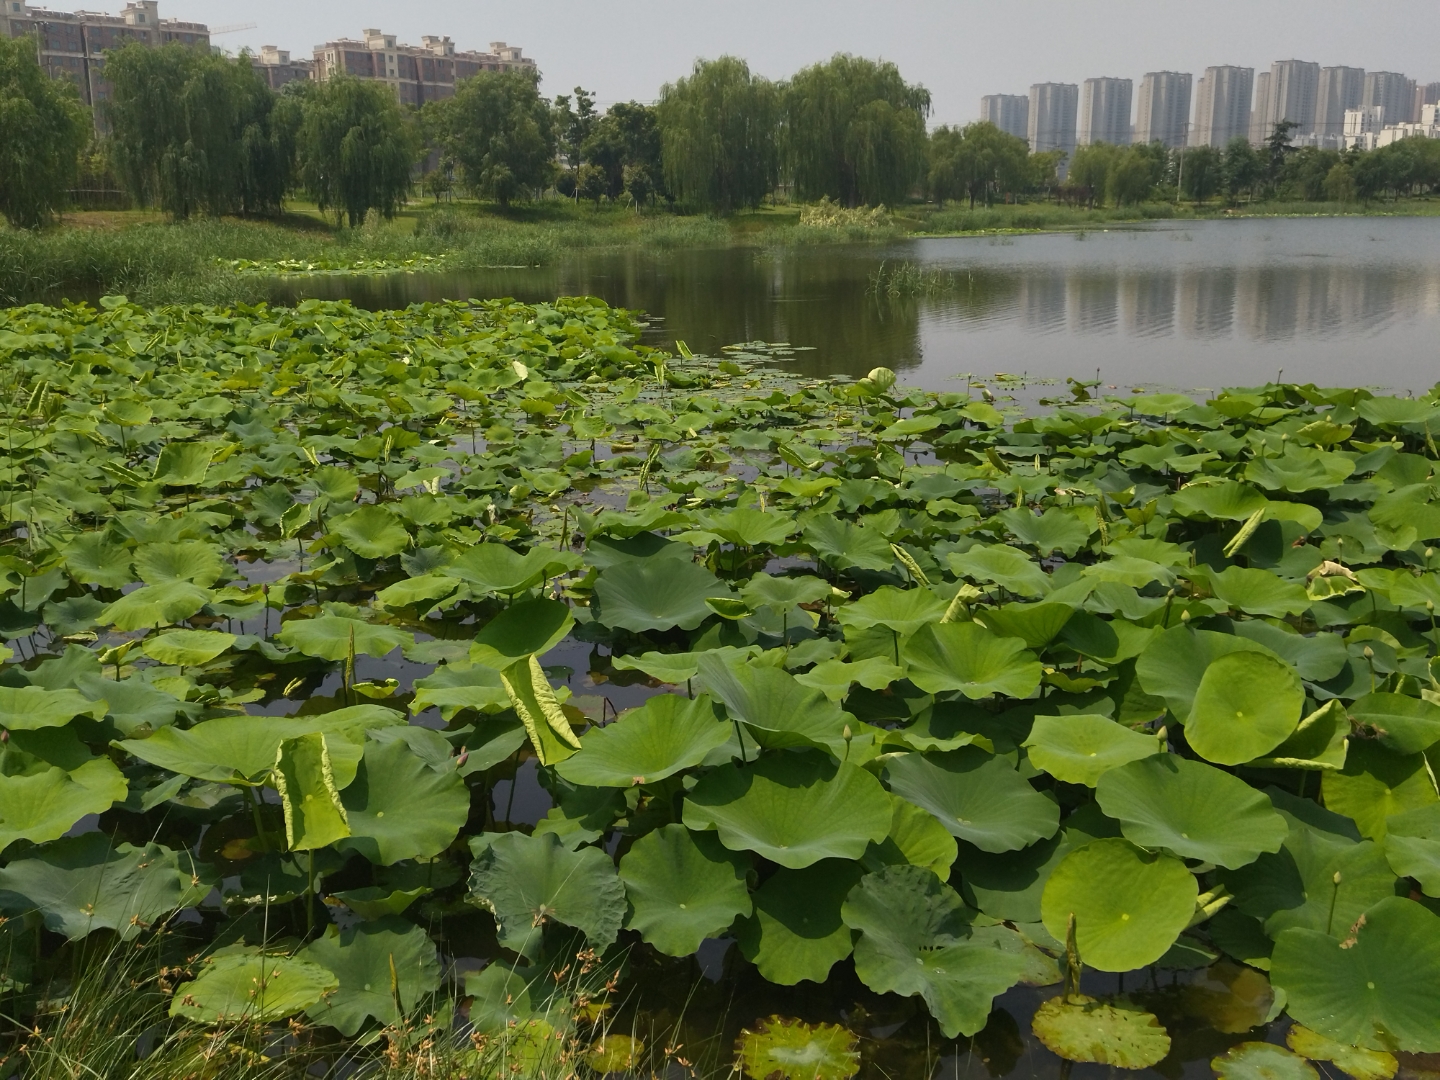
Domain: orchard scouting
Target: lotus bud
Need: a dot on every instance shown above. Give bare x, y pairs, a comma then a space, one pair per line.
1185, 616
1336, 878
464, 757
847, 734
1369, 653
4, 736
1428, 553
1430, 606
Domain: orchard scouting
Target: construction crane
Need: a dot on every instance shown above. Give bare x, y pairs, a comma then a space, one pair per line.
234, 28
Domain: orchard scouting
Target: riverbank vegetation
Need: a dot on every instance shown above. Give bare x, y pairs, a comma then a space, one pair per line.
298, 601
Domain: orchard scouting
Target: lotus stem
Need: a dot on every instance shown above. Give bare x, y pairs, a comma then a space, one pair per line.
1334, 896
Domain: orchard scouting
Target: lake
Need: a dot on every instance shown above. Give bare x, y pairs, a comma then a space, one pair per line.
1190, 306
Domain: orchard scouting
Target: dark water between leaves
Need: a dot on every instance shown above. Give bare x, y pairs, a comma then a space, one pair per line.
1185, 306
1201, 304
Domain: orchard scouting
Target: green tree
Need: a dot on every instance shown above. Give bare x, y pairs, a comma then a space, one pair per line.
980, 161
1242, 168
1202, 172
639, 184
591, 183
1044, 170
574, 124
854, 132
1305, 171
356, 148
1133, 176
193, 132
1278, 147
718, 134
626, 137
43, 128
500, 132
1340, 183
1089, 175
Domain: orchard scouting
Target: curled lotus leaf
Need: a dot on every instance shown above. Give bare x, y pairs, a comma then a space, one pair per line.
1116, 1032
779, 1048
1352, 1060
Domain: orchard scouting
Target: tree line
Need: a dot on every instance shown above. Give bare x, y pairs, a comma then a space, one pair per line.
192, 132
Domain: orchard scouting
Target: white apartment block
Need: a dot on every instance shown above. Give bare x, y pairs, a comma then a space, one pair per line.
1341, 89
1105, 112
1008, 112
1054, 109
1392, 92
1222, 106
1289, 94
1163, 113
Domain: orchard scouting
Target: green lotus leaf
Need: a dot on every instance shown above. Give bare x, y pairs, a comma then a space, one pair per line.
977, 796
1080, 749
29, 708
969, 658
783, 593
413, 590
783, 1049
916, 838
1175, 661
796, 933
190, 560
1240, 936
508, 999
132, 704
529, 881
1316, 657
1192, 809
1378, 988
183, 464
1246, 705
330, 637
533, 699
92, 559
1116, 1032
1319, 742
495, 568
1004, 566
1262, 1061
1395, 411
645, 745
656, 594
1130, 570
531, 627
1008, 885
1035, 624
1129, 905
398, 807
1227, 500
1404, 725
848, 547
746, 528
127, 413
155, 605
1358, 1063
375, 902
1412, 846
314, 814
792, 808
385, 969
454, 687
833, 678
87, 883
683, 887
43, 806
1054, 530
1376, 784
372, 532
915, 939
187, 648
251, 987
1300, 468
778, 710
1259, 592
902, 610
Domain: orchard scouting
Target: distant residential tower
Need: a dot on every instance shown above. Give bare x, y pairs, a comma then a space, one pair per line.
1163, 113
1105, 112
1222, 106
1054, 108
1341, 89
1009, 112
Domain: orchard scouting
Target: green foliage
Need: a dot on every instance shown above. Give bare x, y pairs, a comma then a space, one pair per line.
718, 129
355, 148
43, 128
500, 132
980, 161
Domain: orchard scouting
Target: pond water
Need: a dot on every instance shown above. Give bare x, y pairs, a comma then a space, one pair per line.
1193, 305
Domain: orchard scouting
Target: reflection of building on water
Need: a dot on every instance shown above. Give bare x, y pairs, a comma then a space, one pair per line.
1041, 300
1094, 302
1149, 303
1206, 304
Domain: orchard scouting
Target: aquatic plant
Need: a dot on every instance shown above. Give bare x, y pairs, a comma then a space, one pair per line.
951, 700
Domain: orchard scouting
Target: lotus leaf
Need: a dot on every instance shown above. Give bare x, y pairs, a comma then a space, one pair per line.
374, 902
189, 560
533, 699
1319, 742
532, 627
155, 605
314, 814
783, 592
251, 987
373, 532
1412, 846
833, 678
903, 611
43, 806
183, 464
1246, 705
1316, 658
398, 807
662, 737
1174, 663
1227, 500
848, 547
92, 559
794, 809
1259, 592
1361, 1064
656, 595
1129, 905
796, 933
1080, 749
461, 686
529, 881
187, 648
683, 887
385, 969
746, 528
1378, 988
917, 838
778, 710
86, 883
1004, 566
1117, 1033
1404, 725
969, 658
29, 708
133, 705
1009, 885
498, 569
1262, 1061
783, 1049
1377, 784
335, 637
1053, 530
977, 796
1035, 624
915, 939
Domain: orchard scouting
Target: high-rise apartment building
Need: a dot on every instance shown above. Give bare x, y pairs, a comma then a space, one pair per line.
1054, 109
1163, 112
1105, 112
417, 73
1430, 94
1222, 105
1392, 92
72, 45
1008, 112
276, 68
1288, 95
1341, 89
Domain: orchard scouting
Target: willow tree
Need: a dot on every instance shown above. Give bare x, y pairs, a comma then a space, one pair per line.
43, 127
356, 148
855, 132
501, 132
978, 161
718, 135
193, 132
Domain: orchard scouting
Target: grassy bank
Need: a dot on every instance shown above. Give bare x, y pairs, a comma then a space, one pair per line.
139, 254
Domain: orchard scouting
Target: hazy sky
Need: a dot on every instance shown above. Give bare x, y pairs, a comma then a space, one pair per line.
960, 49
